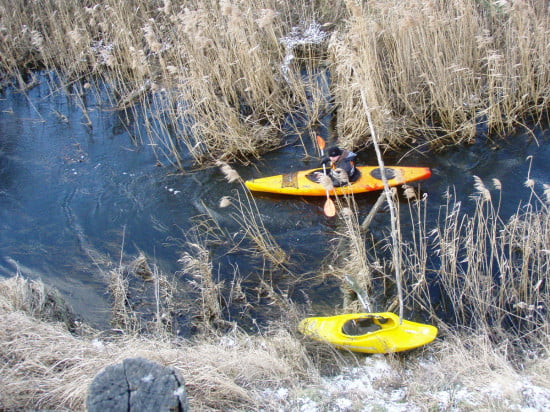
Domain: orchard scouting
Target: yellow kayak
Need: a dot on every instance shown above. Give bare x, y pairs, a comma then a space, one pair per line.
303, 183
368, 332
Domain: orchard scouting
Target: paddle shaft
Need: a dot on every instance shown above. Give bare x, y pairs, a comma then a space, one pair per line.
329, 208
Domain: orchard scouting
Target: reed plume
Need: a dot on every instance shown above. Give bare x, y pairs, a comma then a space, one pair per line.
326, 181
247, 215
230, 174
481, 189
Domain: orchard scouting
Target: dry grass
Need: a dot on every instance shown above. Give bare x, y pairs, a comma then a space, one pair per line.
36, 299
470, 372
248, 217
440, 69
491, 273
198, 265
348, 261
217, 79
498, 337
143, 299
492, 276
45, 366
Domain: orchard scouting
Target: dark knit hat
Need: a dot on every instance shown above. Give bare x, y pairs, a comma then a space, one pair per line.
334, 151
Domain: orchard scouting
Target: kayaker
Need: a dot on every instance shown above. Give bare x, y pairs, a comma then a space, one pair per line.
342, 165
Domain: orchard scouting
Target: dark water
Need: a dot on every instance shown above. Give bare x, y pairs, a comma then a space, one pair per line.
74, 197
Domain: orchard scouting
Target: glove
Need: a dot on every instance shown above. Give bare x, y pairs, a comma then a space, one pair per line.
325, 161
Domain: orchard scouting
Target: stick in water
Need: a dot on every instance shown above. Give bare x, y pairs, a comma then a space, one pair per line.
353, 285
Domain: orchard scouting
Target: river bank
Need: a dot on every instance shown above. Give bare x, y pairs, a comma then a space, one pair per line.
44, 366
431, 74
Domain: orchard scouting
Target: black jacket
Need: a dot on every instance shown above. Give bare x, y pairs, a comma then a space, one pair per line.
346, 162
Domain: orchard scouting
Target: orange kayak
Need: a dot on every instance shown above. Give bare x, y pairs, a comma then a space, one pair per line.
303, 183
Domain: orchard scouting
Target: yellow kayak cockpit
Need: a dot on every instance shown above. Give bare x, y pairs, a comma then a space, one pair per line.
362, 326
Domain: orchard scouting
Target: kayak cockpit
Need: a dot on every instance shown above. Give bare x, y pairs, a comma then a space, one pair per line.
364, 325
314, 176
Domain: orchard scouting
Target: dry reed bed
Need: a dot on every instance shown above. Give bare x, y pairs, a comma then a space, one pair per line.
491, 275
474, 271
219, 77
502, 328
211, 74
496, 272
441, 69
214, 68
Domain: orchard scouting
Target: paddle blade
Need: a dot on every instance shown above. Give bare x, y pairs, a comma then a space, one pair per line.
330, 209
321, 142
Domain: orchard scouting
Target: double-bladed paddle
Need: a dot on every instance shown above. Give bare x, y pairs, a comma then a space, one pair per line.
329, 208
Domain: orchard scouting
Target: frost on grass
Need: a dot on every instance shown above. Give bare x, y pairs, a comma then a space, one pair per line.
376, 384
104, 52
304, 35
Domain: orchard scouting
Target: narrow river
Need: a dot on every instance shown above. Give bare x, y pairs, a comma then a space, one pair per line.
75, 197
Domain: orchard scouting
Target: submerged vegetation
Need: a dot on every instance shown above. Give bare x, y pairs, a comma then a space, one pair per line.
220, 80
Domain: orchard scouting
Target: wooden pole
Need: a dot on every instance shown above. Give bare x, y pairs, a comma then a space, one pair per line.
366, 223
396, 253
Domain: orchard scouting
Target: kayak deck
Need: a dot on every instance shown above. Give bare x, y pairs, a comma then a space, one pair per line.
301, 184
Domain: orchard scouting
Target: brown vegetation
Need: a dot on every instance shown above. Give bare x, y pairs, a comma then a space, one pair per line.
499, 341
44, 366
441, 68
219, 77
492, 276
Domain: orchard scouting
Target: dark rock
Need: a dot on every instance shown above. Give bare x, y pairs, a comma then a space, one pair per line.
137, 385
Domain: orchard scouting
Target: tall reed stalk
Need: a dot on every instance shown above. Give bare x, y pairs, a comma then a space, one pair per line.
248, 217
491, 274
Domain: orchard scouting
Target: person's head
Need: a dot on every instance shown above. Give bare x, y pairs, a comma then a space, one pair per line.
334, 152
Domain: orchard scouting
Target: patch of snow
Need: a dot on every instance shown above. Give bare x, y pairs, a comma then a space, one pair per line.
308, 405
398, 395
281, 393
96, 343
377, 385
443, 398
147, 378
300, 36
228, 342
535, 397
343, 403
